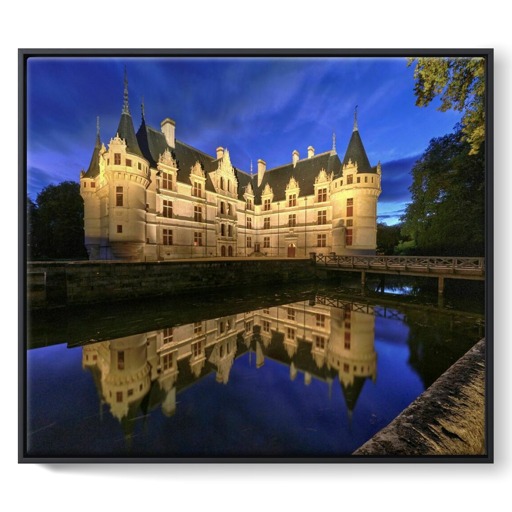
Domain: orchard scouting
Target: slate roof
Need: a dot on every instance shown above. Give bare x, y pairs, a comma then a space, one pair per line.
126, 131
305, 172
94, 166
356, 153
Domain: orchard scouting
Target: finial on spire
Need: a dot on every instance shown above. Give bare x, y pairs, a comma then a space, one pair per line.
333, 142
126, 108
142, 108
98, 126
355, 129
251, 166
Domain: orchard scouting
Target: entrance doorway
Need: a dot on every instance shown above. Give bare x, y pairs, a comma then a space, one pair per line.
291, 251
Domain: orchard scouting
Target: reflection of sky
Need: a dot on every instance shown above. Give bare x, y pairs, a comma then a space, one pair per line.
259, 108
258, 411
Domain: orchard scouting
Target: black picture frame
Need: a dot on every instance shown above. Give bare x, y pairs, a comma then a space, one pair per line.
25, 54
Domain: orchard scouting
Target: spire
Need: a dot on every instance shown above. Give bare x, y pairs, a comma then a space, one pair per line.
94, 166
126, 107
355, 151
355, 129
333, 142
142, 113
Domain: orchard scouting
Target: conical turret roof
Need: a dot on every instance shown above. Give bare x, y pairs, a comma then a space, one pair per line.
357, 154
94, 166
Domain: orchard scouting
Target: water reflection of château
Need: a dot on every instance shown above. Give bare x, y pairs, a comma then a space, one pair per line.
138, 373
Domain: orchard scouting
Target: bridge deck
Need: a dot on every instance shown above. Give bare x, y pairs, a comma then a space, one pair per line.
434, 266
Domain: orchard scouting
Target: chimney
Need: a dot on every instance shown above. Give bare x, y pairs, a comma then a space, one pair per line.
220, 152
295, 157
311, 151
168, 127
262, 167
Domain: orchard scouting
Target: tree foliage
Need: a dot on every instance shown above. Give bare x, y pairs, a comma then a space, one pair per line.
460, 84
388, 238
447, 212
56, 223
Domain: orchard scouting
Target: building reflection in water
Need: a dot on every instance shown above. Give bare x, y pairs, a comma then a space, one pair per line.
136, 374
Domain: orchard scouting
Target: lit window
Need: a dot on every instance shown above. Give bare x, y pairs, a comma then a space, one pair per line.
167, 236
348, 237
322, 195
292, 220
321, 240
167, 208
167, 181
322, 217
117, 158
119, 196
266, 205
350, 207
198, 238
266, 242
198, 213
266, 223
292, 200
197, 189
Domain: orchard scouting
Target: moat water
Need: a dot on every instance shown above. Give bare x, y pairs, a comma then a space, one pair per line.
308, 372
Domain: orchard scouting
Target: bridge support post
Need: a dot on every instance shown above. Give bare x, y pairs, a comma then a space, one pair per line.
440, 285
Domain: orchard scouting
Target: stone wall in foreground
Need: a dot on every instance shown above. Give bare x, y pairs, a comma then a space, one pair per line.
447, 419
69, 283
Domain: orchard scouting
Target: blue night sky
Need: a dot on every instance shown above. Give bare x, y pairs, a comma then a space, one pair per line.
256, 107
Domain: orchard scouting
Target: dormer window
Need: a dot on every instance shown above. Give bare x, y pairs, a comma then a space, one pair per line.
166, 181
322, 195
117, 158
292, 200
266, 205
350, 179
197, 189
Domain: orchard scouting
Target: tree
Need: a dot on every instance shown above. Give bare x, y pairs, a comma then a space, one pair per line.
56, 224
388, 238
460, 84
447, 212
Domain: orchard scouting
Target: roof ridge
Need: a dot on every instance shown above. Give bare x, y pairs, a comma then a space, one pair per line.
195, 149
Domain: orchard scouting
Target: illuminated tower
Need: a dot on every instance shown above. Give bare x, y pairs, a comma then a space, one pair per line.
354, 198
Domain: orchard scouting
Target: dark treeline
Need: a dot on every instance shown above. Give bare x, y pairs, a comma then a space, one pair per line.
55, 223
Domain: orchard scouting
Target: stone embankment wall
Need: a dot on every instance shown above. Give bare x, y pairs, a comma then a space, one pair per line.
69, 283
447, 419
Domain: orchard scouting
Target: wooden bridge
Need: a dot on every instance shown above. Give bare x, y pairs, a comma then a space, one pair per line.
426, 266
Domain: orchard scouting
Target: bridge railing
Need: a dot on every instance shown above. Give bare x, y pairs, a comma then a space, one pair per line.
426, 264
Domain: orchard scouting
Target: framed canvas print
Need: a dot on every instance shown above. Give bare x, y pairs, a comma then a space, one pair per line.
255, 255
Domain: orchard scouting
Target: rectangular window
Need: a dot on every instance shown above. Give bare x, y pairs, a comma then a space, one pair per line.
197, 189
198, 238
248, 327
119, 196
366, 179
350, 207
198, 213
139, 166
128, 162
321, 241
120, 360
168, 335
292, 220
119, 396
167, 361
119, 228
248, 204
249, 223
167, 236
230, 230
322, 217
249, 241
320, 320
350, 179
167, 208
222, 207
322, 195
290, 333
348, 237
266, 326
167, 181
350, 222
117, 158
291, 314
266, 311
266, 205
266, 242
266, 223
346, 367
358, 179
292, 200
347, 340
197, 348
93, 185
319, 342
198, 327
